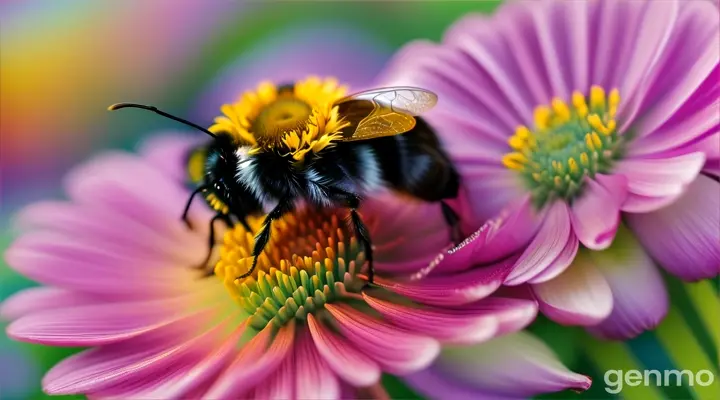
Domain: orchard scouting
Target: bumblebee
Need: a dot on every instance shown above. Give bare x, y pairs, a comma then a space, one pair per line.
310, 144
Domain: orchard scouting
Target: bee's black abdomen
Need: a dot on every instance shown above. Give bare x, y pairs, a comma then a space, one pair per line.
415, 163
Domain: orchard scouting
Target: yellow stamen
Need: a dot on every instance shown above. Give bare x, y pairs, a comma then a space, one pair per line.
516, 143
580, 105
611, 125
584, 159
514, 161
597, 124
614, 101
589, 142
542, 118
562, 112
523, 132
572, 164
597, 98
552, 157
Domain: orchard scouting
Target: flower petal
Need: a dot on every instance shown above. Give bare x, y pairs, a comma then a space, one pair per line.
497, 239
679, 70
254, 363
112, 231
119, 182
169, 152
60, 260
398, 351
94, 325
640, 300
129, 361
196, 377
460, 288
515, 366
596, 214
447, 325
313, 377
349, 364
38, 299
578, 296
656, 179
684, 237
550, 242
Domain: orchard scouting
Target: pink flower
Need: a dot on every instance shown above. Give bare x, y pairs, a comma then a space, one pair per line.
118, 265
585, 122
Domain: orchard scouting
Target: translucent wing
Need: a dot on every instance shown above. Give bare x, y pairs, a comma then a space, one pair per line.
383, 112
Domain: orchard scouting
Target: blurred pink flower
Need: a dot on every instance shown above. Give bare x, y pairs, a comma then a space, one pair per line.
118, 264
584, 122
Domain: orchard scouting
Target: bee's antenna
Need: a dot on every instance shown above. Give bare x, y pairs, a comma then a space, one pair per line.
156, 111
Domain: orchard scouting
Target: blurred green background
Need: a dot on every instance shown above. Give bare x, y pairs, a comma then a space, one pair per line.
64, 61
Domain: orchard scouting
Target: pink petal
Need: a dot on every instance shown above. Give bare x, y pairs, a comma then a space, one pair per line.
398, 351
490, 190
652, 31
94, 325
578, 296
255, 362
60, 260
475, 37
498, 239
680, 131
446, 325
313, 378
560, 263
549, 242
657, 178
516, 366
432, 68
460, 288
665, 89
512, 314
596, 214
280, 384
197, 376
684, 237
640, 300
169, 152
341, 356
130, 361
435, 385
38, 299
119, 182
397, 248
113, 231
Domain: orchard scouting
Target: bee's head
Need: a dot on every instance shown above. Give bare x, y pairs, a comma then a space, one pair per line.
224, 193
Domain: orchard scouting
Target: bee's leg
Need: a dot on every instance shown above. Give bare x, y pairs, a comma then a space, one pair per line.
211, 243
352, 201
262, 238
453, 222
189, 202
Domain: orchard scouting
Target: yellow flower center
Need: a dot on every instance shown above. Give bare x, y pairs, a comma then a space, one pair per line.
294, 120
567, 144
279, 117
311, 259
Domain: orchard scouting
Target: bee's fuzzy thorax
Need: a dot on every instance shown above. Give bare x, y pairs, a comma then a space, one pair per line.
295, 120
